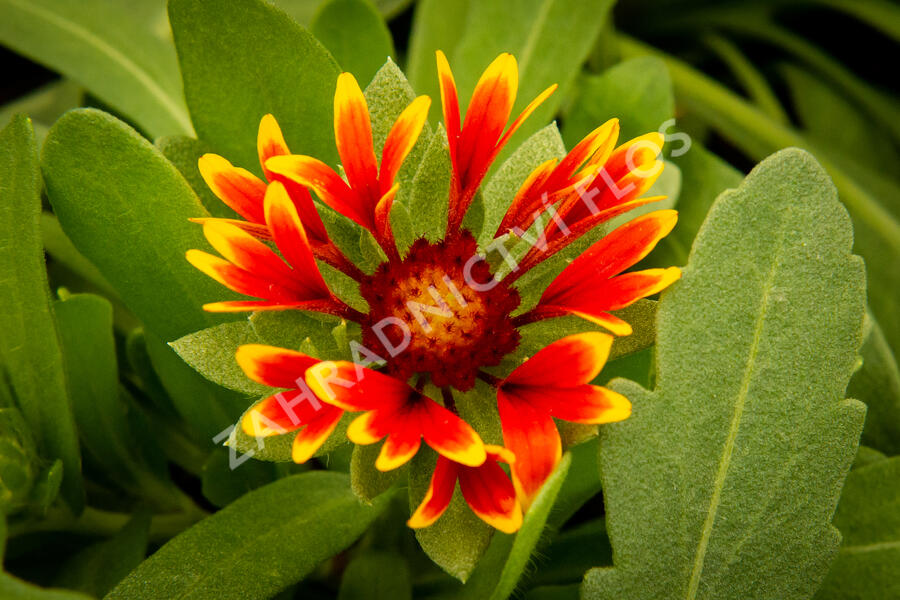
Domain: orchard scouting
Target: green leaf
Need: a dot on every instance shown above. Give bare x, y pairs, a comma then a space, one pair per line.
877, 383
257, 546
638, 92
355, 34
126, 208
30, 356
866, 456
44, 105
499, 572
97, 569
376, 576
290, 328
457, 540
366, 481
243, 59
866, 567
502, 187
470, 35
572, 553
211, 352
108, 50
85, 330
723, 481
19, 463
184, 152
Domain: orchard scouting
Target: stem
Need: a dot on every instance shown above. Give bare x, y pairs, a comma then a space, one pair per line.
103, 523
449, 402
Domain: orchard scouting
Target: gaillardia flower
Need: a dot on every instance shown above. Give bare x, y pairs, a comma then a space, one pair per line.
440, 318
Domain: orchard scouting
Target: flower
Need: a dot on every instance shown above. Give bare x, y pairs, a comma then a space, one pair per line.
439, 317
555, 382
486, 488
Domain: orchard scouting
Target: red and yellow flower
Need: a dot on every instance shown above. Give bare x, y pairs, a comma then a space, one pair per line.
438, 314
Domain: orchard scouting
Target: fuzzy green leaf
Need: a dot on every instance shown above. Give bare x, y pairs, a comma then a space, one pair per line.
211, 352
30, 356
868, 564
222, 483
258, 545
105, 47
355, 34
429, 190
376, 576
243, 59
126, 208
723, 481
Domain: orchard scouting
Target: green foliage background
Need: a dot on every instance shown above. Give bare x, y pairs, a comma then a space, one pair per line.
754, 379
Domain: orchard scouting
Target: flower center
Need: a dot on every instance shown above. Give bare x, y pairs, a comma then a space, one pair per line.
439, 312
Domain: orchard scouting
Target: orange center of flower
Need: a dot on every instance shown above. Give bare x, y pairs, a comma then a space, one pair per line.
439, 312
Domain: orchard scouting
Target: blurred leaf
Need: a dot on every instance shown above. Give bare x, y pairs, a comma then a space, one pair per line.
211, 352
572, 553
554, 592
458, 539
356, 36
223, 484
866, 456
376, 576
258, 545
876, 226
30, 356
498, 573
126, 208
19, 462
207, 408
868, 563
85, 330
638, 92
877, 383
44, 105
755, 347
97, 569
243, 59
105, 48
470, 35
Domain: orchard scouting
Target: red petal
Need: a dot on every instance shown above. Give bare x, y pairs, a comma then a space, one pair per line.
245, 251
588, 404
611, 255
449, 435
353, 135
490, 494
450, 104
311, 438
270, 142
401, 139
240, 280
290, 237
438, 496
313, 173
240, 189
356, 388
284, 412
567, 362
399, 447
275, 367
532, 436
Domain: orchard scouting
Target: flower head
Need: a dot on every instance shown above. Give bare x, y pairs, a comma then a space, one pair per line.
439, 315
